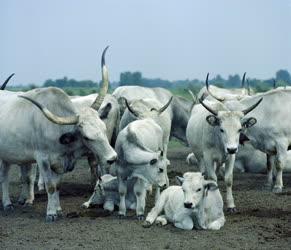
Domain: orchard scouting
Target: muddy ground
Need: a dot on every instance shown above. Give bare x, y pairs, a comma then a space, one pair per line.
263, 220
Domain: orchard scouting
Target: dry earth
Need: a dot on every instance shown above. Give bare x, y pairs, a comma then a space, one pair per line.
263, 220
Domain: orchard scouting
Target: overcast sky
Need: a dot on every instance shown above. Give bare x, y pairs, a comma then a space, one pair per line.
170, 39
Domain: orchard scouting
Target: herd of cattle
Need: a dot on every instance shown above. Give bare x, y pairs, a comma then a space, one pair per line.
125, 137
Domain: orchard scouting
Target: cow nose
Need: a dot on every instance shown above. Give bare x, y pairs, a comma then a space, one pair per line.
231, 150
188, 205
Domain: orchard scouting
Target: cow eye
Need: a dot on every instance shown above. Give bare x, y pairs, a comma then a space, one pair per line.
221, 130
153, 161
198, 190
161, 170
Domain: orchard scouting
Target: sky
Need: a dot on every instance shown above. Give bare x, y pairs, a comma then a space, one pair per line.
169, 39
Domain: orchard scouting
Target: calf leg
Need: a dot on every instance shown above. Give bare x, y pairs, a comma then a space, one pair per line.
92, 161
139, 189
161, 220
4, 178
122, 189
228, 179
28, 174
186, 223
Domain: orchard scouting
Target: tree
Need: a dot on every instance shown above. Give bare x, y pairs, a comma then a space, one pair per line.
283, 75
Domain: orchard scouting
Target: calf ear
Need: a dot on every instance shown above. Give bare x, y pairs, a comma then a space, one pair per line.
249, 122
67, 138
210, 185
103, 113
212, 120
179, 180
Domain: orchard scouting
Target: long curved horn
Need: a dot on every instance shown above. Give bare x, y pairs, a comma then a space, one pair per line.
274, 83
249, 109
208, 90
105, 83
243, 80
162, 109
207, 107
249, 88
194, 97
69, 120
6, 81
129, 108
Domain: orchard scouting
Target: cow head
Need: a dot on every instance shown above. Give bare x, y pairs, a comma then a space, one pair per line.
195, 188
146, 108
90, 130
230, 124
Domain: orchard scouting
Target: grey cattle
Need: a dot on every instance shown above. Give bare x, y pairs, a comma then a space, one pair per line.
272, 133
197, 203
223, 94
213, 133
179, 109
140, 156
55, 143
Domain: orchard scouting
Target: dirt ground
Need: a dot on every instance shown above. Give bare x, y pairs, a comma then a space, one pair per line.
263, 220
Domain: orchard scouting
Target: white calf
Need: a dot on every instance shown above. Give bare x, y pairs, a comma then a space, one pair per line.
196, 204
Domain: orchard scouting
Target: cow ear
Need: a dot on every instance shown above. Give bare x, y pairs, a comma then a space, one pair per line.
210, 185
179, 180
243, 138
67, 138
103, 113
213, 120
249, 122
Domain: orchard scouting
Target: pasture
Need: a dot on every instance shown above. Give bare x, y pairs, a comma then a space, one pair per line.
263, 220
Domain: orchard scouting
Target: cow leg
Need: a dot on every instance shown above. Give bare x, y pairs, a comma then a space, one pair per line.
270, 167
280, 161
92, 161
228, 179
28, 174
40, 183
51, 181
122, 189
4, 178
139, 189
209, 167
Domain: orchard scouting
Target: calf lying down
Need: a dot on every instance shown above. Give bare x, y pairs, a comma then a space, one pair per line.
197, 203
106, 193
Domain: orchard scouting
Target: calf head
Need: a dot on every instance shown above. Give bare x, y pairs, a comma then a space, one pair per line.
195, 188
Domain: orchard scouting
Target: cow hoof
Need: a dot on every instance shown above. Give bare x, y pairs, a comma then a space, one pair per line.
277, 190
140, 217
60, 214
85, 205
9, 208
231, 210
21, 202
51, 218
146, 224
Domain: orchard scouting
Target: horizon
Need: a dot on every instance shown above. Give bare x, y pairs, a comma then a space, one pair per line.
173, 41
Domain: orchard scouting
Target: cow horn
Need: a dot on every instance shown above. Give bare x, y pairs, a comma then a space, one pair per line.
248, 110
129, 108
69, 120
105, 83
162, 109
6, 81
208, 90
243, 80
194, 97
207, 107
249, 88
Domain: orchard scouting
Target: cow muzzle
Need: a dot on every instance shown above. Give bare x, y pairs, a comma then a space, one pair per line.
231, 150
